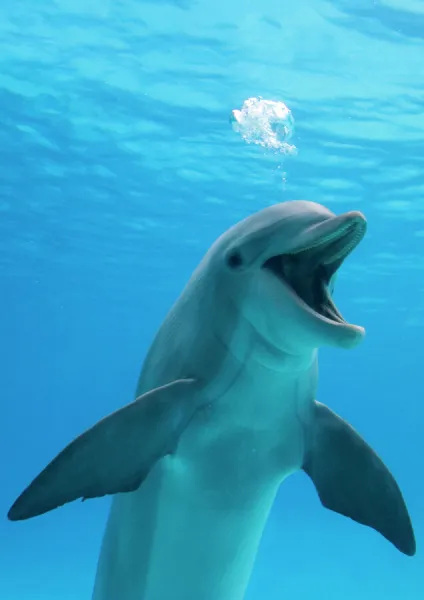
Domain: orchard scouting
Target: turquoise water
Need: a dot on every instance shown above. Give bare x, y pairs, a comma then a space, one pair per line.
119, 167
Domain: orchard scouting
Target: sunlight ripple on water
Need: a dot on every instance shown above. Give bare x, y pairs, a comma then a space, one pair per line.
267, 123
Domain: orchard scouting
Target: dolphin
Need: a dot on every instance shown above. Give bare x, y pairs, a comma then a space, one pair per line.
225, 411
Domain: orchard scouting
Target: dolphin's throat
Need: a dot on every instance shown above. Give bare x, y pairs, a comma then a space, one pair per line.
308, 272
308, 281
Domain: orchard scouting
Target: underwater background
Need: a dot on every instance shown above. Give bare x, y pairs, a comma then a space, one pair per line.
119, 167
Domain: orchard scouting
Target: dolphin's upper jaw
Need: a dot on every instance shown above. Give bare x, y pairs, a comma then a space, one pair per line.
308, 270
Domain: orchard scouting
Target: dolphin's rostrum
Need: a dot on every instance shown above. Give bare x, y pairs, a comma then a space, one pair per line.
225, 411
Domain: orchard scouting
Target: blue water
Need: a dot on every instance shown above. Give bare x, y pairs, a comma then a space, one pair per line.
118, 169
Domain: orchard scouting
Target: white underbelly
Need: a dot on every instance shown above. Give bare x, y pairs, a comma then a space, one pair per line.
179, 543
205, 544
192, 531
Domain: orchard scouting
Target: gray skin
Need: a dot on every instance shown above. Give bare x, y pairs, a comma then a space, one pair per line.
225, 410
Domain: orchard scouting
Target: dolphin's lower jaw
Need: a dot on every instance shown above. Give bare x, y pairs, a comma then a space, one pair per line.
308, 270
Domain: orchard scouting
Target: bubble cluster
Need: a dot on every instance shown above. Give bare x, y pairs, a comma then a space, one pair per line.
267, 123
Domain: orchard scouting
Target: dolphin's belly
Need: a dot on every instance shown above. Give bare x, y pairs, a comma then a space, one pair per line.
181, 535
191, 532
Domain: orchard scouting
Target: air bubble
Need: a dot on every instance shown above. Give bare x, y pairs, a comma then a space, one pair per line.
267, 123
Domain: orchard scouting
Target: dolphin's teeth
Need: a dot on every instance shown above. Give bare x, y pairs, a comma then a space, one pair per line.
333, 249
332, 313
331, 309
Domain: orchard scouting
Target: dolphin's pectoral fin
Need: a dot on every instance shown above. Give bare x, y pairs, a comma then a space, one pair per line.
115, 455
352, 480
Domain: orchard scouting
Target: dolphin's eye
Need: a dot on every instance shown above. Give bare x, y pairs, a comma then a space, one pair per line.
235, 260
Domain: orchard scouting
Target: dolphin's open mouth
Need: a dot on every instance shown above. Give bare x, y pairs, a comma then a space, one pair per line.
309, 271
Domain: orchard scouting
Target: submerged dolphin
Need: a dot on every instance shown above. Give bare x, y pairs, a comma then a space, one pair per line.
225, 411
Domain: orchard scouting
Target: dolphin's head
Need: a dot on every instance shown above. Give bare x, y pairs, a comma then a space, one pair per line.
280, 266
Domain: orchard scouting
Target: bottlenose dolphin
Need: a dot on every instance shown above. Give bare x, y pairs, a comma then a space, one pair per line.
225, 410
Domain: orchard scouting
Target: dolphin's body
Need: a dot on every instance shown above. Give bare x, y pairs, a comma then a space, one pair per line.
225, 411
